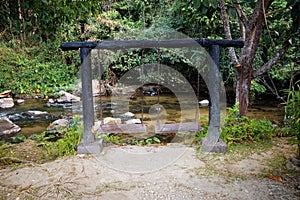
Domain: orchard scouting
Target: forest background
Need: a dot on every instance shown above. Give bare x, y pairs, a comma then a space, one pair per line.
32, 31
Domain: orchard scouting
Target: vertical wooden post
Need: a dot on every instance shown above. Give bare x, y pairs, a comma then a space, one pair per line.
87, 94
211, 142
214, 86
87, 144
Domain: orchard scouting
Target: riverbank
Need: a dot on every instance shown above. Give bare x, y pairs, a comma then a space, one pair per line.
29, 125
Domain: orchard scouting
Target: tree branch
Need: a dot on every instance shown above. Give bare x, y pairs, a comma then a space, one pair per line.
242, 16
273, 60
278, 10
242, 30
257, 23
228, 32
272, 89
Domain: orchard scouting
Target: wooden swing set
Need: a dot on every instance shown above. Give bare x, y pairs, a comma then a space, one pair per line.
88, 143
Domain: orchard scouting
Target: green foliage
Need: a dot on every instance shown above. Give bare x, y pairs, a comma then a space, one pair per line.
197, 18
48, 135
40, 70
118, 140
256, 88
293, 108
45, 19
66, 145
115, 139
105, 25
152, 140
293, 113
240, 129
18, 139
201, 134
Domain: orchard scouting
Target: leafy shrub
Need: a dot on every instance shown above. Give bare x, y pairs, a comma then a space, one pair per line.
18, 139
67, 144
293, 113
41, 69
240, 129
202, 133
115, 139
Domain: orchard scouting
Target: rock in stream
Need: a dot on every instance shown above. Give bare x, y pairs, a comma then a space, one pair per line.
8, 128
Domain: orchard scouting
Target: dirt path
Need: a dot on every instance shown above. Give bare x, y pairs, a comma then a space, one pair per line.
164, 172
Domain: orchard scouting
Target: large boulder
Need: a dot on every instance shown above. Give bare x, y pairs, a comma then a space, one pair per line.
112, 121
58, 125
98, 89
67, 98
5, 93
6, 103
107, 121
8, 128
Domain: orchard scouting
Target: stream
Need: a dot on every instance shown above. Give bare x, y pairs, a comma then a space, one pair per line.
142, 108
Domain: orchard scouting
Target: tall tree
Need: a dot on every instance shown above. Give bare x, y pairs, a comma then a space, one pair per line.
252, 26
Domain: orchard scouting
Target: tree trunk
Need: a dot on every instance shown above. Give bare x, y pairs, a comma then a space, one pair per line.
253, 32
244, 84
237, 88
251, 27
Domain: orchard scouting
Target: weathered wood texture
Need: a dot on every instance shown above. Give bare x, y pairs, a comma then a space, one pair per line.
87, 95
127, 44
178, 127
122, 128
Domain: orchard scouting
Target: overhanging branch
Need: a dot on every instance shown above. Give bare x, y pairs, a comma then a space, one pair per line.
273, 60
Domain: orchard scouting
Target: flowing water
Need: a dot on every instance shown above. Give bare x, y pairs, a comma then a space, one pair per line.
145, 108
34, 124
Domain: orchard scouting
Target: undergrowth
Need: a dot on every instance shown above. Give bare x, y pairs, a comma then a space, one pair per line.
241, 129
64, 146
115, 139
35, 70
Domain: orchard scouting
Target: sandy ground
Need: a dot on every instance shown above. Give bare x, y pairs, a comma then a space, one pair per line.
156, 172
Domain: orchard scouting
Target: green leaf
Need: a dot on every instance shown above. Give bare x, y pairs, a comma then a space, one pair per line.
156, 139
197, 4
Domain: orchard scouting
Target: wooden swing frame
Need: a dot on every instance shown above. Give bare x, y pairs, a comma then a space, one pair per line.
88, 140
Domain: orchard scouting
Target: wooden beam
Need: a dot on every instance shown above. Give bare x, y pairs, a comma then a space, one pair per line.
177, 127
127, 44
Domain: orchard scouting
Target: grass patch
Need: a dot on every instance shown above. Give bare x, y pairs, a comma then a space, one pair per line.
27, 152
276, 165
246, 160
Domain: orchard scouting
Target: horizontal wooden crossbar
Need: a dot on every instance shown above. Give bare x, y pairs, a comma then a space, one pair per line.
178, 127
127, 44
122, 128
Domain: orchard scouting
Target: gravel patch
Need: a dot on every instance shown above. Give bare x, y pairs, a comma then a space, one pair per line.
184, 175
